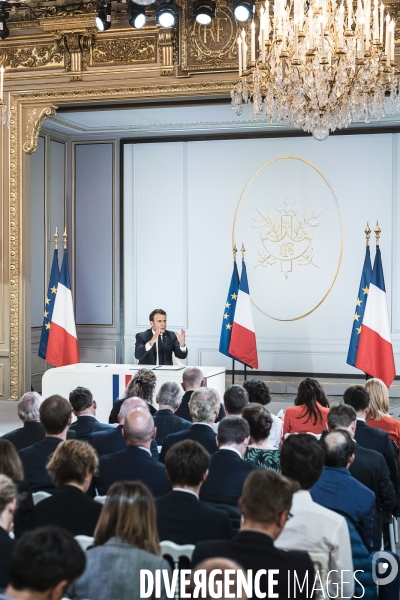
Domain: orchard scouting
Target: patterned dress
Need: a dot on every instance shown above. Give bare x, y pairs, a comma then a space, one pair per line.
267, 459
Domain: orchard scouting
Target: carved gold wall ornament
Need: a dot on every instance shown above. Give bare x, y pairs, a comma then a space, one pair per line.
117, 50
76, 47
167, 43
34, 123
27, 57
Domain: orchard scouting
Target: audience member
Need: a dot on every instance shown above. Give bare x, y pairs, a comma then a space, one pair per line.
370, 437
378, 415
125, 542
181, 517
44, 564
314, 528
168, 398
220, 588
135, 462
235, 400
369, 467
265, 506
259, 393
193, 379
32, 431
84, 408
203, 405
259, 451
109, 442
55, 416
310, 410
8, 504
142, 385
224, 484
11, 465
339, 491
71, 468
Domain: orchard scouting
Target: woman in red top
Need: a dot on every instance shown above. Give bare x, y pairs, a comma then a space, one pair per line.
378, 415
310, 411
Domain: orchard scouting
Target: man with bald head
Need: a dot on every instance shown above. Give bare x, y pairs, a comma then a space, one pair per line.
337, 490
109, 442
135, 463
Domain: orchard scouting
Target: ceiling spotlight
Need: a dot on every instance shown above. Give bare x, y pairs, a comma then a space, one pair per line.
4, 31
243, 9
204, 11
136, 15
166, 13
103, 19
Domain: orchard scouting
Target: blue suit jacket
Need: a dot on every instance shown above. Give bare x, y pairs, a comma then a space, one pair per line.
111, 441
167, 423
337, 490
85, 425
170, 344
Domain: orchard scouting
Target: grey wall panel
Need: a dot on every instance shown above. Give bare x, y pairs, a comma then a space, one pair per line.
56, 196
38, 233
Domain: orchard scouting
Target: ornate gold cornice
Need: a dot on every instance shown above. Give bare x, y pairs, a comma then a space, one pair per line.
35, 121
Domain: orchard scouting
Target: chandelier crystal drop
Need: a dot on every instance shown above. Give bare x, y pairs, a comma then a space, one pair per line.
318, 64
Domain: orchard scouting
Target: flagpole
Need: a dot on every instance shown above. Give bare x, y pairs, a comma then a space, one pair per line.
377, 231
56, 236
65, 237
367, 232
234, 250
245, 372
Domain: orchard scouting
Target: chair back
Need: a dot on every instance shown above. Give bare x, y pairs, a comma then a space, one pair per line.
321, 564
84, 541
176, 552
38, 496
100, 499
159, 448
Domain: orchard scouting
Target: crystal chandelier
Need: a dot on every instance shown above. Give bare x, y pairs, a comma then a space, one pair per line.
318, 65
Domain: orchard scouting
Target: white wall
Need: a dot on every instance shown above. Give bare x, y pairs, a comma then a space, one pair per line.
179, 205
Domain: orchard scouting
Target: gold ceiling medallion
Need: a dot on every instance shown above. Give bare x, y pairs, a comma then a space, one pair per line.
287, 238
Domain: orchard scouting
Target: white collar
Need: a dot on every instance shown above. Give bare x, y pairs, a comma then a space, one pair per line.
178, 489
231, 449
361, 419
145, 449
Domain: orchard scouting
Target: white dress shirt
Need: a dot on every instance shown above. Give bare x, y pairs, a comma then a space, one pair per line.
148, 346
314, 528
275, 435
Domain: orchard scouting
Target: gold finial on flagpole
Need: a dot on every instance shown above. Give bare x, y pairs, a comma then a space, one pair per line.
234, 252
56, 236
367, 232
242, 251
65, 237
377, 233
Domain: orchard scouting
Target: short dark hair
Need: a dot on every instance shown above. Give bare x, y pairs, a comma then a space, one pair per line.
302, 459
235, 399
156, 311
339, 447
232, 430
357, 397
341, 415
257, 390
81, 398
186, 462
266, 495
44, 557
259, 420
55, 413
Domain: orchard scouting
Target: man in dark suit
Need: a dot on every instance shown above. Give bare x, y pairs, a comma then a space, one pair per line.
32, 431
370, 437
193, 379
339, 491
84, 408
55, 416
156, 345
369, 467
265, 506
181, 517
168, 398
204, 405
228, 471
136, 462
109, 442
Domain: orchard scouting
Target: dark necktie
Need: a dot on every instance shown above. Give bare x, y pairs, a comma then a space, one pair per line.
160, 350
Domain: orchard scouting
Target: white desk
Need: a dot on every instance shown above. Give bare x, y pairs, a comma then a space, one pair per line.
108, 382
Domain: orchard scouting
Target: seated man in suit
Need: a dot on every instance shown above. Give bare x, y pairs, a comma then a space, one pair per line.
111, 441
370, 437
235, 400
135, 463
369, 467
168, 398
337, 490
55, 416
203, 405
84, 408
314, 528
228, 471
156, 345
32, 431
181, 517
193, 379
265, 507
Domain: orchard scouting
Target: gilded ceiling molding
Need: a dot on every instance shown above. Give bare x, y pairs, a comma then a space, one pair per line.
33, 126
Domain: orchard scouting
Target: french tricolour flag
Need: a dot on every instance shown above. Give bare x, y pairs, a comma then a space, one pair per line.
243, 344
62, 346
375, 350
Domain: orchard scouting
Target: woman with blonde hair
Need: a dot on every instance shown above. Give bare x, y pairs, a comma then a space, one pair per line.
142, 385
378, 415
125, 541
